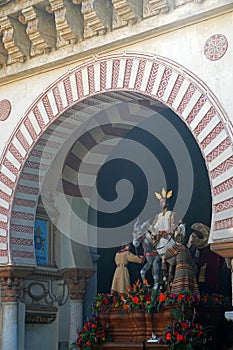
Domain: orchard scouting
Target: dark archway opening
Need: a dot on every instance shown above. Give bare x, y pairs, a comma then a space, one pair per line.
198, 208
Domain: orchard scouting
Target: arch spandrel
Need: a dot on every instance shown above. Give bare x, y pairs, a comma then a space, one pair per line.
152, 76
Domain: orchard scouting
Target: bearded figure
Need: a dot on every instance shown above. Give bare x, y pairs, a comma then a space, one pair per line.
206, 262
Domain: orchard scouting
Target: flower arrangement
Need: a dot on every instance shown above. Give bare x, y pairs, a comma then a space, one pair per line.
92, 335
183, 331
185, 335
141, 296
182, 299
214, 299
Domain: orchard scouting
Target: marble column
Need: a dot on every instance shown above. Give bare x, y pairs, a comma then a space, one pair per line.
9, 326
77, 280
11, 280
76, 318
9, 289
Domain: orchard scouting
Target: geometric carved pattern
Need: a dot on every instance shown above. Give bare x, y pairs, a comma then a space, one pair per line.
223, 224
152, 77
128, 70
188, 94
103, 75
115, 73
219, 149
199, 104
11, 167
223, 205
224, 186
5, 109
175, 89
164, 82
140, 73
205, 121
215, 47
23, 255
222, 168
79, 82
22, 140
216, 131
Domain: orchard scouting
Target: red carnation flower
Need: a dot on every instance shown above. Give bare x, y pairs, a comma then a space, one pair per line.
162, 297
179, 337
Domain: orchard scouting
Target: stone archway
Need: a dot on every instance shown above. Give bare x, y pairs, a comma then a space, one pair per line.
152, 76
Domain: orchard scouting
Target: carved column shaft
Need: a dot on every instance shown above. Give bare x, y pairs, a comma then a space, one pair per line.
11, 280
9, 289
77, 281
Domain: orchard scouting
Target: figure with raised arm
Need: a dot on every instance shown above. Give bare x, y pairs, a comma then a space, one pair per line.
164, 223
121, 279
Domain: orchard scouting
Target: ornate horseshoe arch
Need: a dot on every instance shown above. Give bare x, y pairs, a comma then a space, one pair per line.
148, 75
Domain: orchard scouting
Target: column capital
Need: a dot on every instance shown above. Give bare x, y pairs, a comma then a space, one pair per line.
11, 280
77, 280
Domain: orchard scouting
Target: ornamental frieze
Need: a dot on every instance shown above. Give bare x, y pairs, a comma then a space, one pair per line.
34, 28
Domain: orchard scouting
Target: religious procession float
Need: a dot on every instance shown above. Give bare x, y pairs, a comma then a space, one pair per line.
178, 310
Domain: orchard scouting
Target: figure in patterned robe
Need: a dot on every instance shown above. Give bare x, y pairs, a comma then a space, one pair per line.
184, 278
121, 279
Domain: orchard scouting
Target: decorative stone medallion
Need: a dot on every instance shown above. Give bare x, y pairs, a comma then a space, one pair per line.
5, 109
215, 47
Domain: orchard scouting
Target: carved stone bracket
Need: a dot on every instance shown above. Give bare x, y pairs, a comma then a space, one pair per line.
41, 291
126, 12
97, 17
32, 28
155, 7
40, 29
77, 280
69, 21
3, 53
15, 40
39, 314
184, 2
